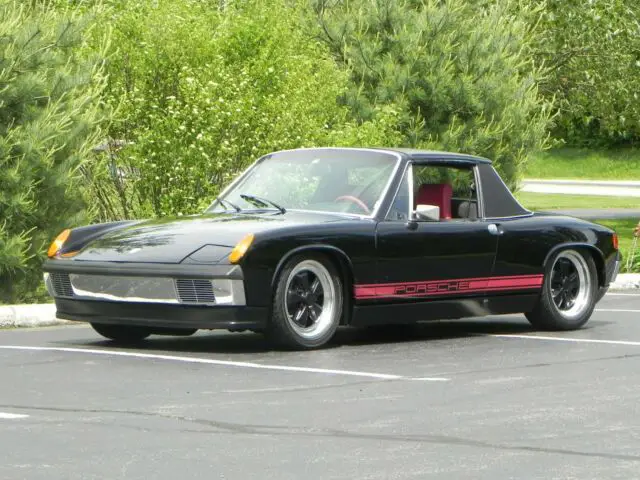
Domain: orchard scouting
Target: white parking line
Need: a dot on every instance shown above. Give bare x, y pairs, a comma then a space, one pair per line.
428, 379
225, 363
623, 295
616, 310
11, 416
566, 339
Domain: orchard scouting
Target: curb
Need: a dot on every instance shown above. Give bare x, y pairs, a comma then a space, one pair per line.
44, 315
38, 315
626, 281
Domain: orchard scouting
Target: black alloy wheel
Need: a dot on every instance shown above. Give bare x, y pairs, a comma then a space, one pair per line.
308, 302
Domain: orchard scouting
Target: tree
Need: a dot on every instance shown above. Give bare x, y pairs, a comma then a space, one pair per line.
593, 52
461, 77
203, 91
50, 117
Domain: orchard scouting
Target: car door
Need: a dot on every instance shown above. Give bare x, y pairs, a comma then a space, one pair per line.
523, 239
424, 260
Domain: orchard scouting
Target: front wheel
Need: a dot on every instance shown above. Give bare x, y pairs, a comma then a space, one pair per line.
569, 293
307, 303
122, 333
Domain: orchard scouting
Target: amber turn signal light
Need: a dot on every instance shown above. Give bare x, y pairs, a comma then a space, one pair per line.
241, 249
57, 244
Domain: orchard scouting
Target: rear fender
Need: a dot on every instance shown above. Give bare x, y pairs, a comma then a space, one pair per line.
598, 257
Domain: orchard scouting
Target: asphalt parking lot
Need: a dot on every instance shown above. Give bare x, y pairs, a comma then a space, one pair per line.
467, 399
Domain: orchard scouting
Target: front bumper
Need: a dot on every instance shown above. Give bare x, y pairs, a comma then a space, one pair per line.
165, 316
152, 295
220, 285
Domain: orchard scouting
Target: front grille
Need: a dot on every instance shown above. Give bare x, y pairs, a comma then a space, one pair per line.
61, 284
195, 291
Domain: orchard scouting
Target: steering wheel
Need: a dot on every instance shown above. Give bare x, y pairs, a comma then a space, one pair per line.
355, 200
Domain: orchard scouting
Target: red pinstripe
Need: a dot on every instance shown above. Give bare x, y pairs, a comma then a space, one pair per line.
453, 286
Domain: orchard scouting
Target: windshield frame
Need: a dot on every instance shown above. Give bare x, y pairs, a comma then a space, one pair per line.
374, 213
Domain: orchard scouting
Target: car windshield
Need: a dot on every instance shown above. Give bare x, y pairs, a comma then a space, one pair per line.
328, 180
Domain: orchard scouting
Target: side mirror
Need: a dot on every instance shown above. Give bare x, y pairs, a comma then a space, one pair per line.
426, 213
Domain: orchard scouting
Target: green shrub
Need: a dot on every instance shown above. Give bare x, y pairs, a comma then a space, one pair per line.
50, 116
592, 51
461, 78
203, 91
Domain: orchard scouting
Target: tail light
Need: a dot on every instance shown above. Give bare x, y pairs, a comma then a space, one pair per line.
615, 241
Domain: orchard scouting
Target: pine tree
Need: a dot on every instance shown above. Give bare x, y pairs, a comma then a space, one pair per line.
50, 111
462, 77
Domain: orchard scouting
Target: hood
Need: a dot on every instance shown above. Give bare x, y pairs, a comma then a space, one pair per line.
171, 240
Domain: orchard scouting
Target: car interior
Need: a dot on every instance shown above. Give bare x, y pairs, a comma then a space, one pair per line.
356, 190
449, 188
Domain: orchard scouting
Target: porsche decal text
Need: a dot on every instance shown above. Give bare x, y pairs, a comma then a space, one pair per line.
449, 287
422, 288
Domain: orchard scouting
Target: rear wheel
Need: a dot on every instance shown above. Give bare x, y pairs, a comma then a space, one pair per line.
569, 293
122, 333
307, 303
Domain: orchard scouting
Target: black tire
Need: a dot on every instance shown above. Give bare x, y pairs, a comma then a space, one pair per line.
289, 300
122, 333
566, 310
602, 291
173, 332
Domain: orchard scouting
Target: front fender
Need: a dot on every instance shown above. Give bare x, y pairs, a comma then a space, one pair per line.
343, 257
82, 236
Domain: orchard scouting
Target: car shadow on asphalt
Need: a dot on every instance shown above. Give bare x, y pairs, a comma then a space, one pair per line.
247, 342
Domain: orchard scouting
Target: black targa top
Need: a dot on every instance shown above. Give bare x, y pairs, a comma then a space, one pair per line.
499, 202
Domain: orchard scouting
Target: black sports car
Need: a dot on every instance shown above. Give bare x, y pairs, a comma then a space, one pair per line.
306, 240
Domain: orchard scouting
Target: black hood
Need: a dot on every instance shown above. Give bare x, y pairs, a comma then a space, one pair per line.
170, 240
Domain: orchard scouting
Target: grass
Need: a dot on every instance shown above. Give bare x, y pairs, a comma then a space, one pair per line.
585, 164
548, 201
624, 227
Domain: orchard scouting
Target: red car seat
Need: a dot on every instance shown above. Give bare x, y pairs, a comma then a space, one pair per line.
436, 194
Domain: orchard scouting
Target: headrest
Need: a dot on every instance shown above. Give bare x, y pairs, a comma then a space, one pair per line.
436, 194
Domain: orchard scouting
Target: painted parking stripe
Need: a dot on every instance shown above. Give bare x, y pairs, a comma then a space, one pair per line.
566, 339
11, 416
616, 310
224, 363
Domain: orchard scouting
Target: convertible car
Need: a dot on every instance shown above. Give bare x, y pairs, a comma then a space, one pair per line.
307, 240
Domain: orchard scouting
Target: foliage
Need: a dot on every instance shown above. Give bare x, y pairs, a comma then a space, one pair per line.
461, 77
50, 115
593, 51
629, 246
203, 91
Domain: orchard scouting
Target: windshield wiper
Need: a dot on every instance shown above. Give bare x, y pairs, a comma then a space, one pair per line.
227, 202
262, 201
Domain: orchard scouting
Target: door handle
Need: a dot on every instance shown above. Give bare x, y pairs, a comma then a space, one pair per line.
495, 229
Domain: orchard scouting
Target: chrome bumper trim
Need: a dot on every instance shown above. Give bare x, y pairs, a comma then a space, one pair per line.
616, 270
124, 289
135, 289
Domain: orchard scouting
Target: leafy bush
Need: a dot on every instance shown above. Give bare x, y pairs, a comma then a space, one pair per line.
50, 116
461, 77
203, 91
592, 51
